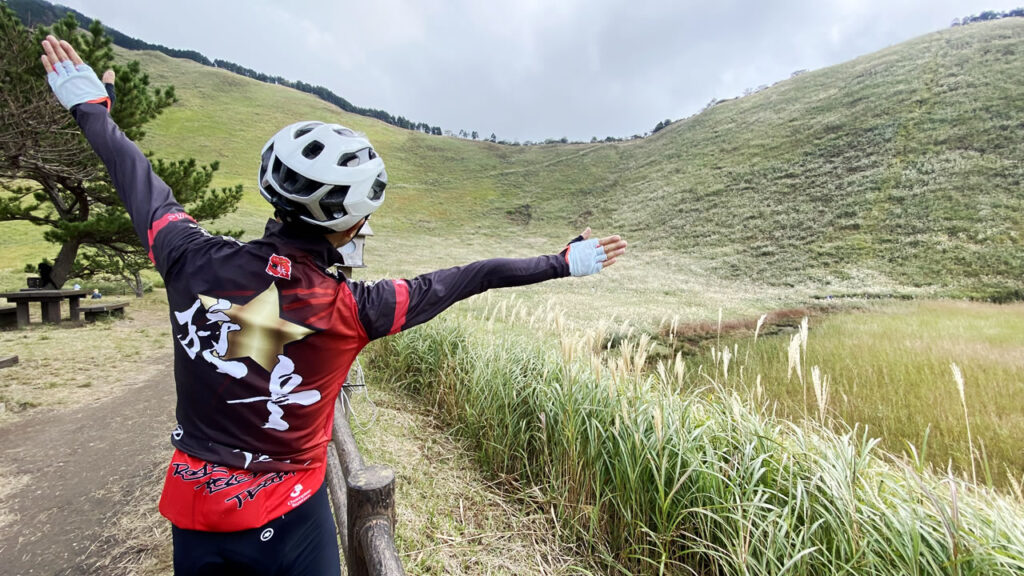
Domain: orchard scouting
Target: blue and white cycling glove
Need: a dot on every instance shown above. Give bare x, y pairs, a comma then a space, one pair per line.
585, 257
76, 85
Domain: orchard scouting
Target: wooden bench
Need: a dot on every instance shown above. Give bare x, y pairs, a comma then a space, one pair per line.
49, 303
8, 316
106, 310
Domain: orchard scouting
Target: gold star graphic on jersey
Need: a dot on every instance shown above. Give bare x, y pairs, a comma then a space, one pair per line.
263, 333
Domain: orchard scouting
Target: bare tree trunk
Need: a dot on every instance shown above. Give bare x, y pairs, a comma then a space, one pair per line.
65, 260
137, 285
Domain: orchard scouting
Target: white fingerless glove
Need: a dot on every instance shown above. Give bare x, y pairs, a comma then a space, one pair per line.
585, 257
76, 85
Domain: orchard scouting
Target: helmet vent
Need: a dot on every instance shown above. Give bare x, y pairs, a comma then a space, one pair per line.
345, 132
379, 184
349, 160
265, 161
313, 149
303, 131
377, 192
353, 159
291, 182
333, 203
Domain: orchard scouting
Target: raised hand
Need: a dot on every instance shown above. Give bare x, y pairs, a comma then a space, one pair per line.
591, 255
614, 246
71, 79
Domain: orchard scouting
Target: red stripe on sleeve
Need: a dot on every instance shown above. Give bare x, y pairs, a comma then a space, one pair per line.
105, 101
401, 305
157, 226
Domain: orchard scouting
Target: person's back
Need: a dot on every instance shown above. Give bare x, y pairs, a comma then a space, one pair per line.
265, 336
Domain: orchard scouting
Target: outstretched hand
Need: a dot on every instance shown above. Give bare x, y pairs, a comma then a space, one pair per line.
614, 246
72, 80
587, 255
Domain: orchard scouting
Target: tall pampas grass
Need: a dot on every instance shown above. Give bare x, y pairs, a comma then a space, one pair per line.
958, 377
821, 390
670, 471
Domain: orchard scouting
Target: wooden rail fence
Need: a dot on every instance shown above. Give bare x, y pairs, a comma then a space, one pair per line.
363, 498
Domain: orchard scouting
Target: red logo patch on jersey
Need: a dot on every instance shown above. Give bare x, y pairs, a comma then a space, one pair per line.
280, 266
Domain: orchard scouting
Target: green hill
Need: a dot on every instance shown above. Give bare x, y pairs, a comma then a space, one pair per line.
900, 168
906, 162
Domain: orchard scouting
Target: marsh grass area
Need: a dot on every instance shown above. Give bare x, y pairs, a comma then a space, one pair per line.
889, 368
680, 467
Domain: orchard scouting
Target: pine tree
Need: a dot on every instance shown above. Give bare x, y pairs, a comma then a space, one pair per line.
50, 177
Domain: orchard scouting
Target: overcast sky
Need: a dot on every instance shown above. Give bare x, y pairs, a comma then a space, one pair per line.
534, 69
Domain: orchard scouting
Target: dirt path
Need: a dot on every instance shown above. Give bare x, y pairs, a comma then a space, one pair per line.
75, 471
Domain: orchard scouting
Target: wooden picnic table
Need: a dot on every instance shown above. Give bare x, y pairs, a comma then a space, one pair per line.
49, 302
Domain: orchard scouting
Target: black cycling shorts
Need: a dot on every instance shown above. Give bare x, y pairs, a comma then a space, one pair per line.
300, 543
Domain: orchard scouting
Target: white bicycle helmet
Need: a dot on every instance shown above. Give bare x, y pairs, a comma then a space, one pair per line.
322, 174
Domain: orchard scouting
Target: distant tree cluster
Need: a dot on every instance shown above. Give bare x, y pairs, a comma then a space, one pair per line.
330, 97
125, 41
988, 15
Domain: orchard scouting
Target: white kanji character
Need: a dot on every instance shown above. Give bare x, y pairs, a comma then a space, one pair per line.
282, 381
220, 348
190, 342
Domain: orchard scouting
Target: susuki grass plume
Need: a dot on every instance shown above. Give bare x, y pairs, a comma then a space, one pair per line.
757, 332
804, 329
958, 377
821, 391
760, 323
794, 361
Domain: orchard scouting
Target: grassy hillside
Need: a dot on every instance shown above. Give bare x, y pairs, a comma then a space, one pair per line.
903, 166
899, 169
906, 162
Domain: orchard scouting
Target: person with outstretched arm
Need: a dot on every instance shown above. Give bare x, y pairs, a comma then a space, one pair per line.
265, 331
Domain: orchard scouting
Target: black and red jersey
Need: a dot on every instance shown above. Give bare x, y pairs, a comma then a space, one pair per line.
264, 333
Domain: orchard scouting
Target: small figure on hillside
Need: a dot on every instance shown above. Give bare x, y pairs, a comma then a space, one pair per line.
267, 331
96, 294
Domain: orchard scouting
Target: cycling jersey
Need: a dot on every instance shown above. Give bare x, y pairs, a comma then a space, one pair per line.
264, 333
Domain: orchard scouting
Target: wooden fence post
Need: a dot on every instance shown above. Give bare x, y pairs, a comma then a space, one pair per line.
363, 501
371, 520
348, 453
339, 497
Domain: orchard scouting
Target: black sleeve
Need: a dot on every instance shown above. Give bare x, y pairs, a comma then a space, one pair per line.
389, 306
110, 94
150, 203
